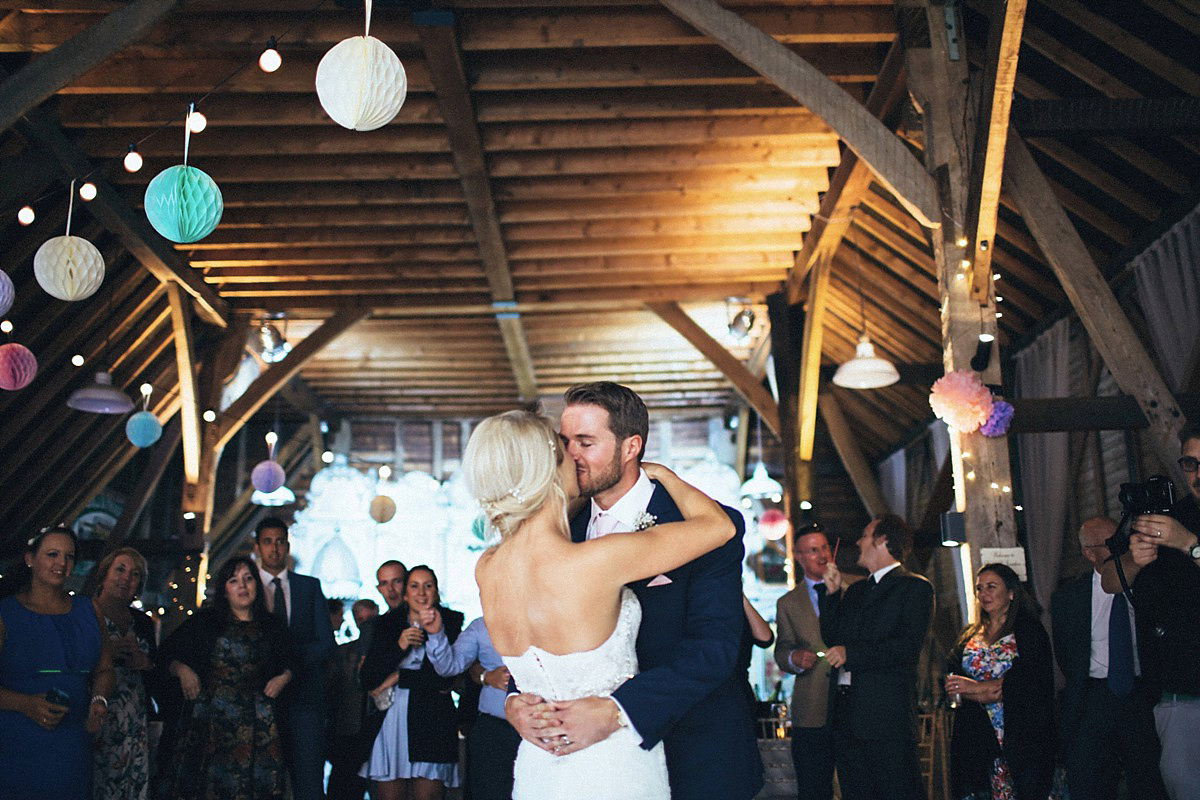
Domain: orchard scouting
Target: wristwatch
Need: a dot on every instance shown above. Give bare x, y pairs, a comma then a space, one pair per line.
1194, 552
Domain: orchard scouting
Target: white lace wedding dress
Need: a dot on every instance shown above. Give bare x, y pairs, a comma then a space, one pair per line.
614, 769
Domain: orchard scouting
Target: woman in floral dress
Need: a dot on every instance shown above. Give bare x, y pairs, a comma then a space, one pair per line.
232, 661
1003, 742
121, 758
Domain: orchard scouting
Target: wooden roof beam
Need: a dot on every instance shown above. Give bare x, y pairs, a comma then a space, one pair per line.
849, 183
446, 70
852, 457
1141, 116
44, 76
155, 254
744, 381
1006, 22
1091, 297
871, 141
275, 376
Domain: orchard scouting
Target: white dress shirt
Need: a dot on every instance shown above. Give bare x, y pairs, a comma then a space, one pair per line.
1102, 603
622, 517
269, 590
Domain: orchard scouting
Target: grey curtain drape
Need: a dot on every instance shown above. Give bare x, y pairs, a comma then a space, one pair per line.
1168, 289
1043, 371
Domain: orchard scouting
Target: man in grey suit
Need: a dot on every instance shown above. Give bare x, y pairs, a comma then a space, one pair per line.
797, 618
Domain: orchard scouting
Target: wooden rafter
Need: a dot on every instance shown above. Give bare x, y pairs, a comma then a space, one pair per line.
275, 376
882, 151
744, 382
446, 70
1006, 22
111, 209
185, 360
39, 80
809, 384
1091, 297
849, 183
851, 455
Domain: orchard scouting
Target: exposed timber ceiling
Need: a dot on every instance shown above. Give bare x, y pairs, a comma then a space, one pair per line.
556, 166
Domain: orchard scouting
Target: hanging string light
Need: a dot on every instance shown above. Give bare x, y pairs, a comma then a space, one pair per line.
133, 159
270, 60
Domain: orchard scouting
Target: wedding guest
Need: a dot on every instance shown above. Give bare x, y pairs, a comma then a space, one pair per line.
1003, 740
56, 675
348, 710
232, 661
121, 763
491, 741
415, 754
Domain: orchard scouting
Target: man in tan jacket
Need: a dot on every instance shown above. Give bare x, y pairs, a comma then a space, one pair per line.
798, 622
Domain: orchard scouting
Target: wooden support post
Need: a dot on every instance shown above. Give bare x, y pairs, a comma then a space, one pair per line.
189, 408
809, 378
744, 383
939, 83
852, 458
1094, 301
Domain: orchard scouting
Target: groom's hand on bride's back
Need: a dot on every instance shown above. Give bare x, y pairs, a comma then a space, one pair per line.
584, 722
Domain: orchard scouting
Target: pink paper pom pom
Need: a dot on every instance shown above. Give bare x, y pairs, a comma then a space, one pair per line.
961, 400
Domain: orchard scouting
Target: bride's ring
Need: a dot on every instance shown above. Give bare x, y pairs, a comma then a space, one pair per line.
565, 740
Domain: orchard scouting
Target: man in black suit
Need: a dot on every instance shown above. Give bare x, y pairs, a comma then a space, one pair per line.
298, 599
875, 630
687, 694
1107, 714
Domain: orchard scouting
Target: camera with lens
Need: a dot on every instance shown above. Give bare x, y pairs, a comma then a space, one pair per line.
1155, 496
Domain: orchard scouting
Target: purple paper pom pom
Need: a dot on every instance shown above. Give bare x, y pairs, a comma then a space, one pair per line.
999, 420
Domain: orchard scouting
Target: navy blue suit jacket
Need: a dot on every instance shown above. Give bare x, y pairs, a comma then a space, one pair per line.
687, 694
310, 628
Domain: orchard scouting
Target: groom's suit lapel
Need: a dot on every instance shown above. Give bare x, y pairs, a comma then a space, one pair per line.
579, 523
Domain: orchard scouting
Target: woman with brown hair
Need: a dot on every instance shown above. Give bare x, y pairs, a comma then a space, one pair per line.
232, 661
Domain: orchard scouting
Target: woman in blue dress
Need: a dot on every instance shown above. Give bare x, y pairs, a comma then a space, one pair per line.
55, 677
415, 753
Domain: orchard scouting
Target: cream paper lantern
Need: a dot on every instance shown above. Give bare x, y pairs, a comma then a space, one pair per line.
69, 268
361, 83
383, 508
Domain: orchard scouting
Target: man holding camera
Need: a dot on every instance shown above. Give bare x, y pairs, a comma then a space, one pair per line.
1162, 567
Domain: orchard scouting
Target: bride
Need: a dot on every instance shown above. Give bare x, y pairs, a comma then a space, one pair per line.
558, 612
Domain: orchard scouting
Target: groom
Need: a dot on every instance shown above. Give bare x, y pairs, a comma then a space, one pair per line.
686, 694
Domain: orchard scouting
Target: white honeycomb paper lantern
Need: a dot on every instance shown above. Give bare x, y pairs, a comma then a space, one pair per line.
361, 83
69, 268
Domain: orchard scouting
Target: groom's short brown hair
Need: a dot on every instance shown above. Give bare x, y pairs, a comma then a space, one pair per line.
627, 415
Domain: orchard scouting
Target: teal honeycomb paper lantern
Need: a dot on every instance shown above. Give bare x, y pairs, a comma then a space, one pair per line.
143, 429
183, 204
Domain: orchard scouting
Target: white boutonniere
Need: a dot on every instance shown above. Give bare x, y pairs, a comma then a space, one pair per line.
644, 520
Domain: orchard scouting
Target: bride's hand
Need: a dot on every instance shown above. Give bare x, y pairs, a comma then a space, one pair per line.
657, 471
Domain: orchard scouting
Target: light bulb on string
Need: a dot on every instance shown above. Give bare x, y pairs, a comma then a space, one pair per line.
77, 360
26, 215
196, 122
146, 390
87, 191
6, 326
270, 60
133, 159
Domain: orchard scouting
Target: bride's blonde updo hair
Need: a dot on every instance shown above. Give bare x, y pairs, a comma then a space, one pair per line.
511, 466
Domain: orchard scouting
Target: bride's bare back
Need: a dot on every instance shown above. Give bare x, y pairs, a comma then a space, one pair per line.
540, 589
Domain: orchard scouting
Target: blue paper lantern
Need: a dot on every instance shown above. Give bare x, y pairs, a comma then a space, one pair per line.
7, 293
267, 476
183, 204
143, 429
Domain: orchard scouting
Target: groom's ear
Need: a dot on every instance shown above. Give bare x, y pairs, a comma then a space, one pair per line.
631, 448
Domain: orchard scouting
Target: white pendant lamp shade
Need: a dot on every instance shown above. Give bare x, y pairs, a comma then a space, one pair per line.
361, 83
761, 485
866, 370
283, 496
101, 397
68, 267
